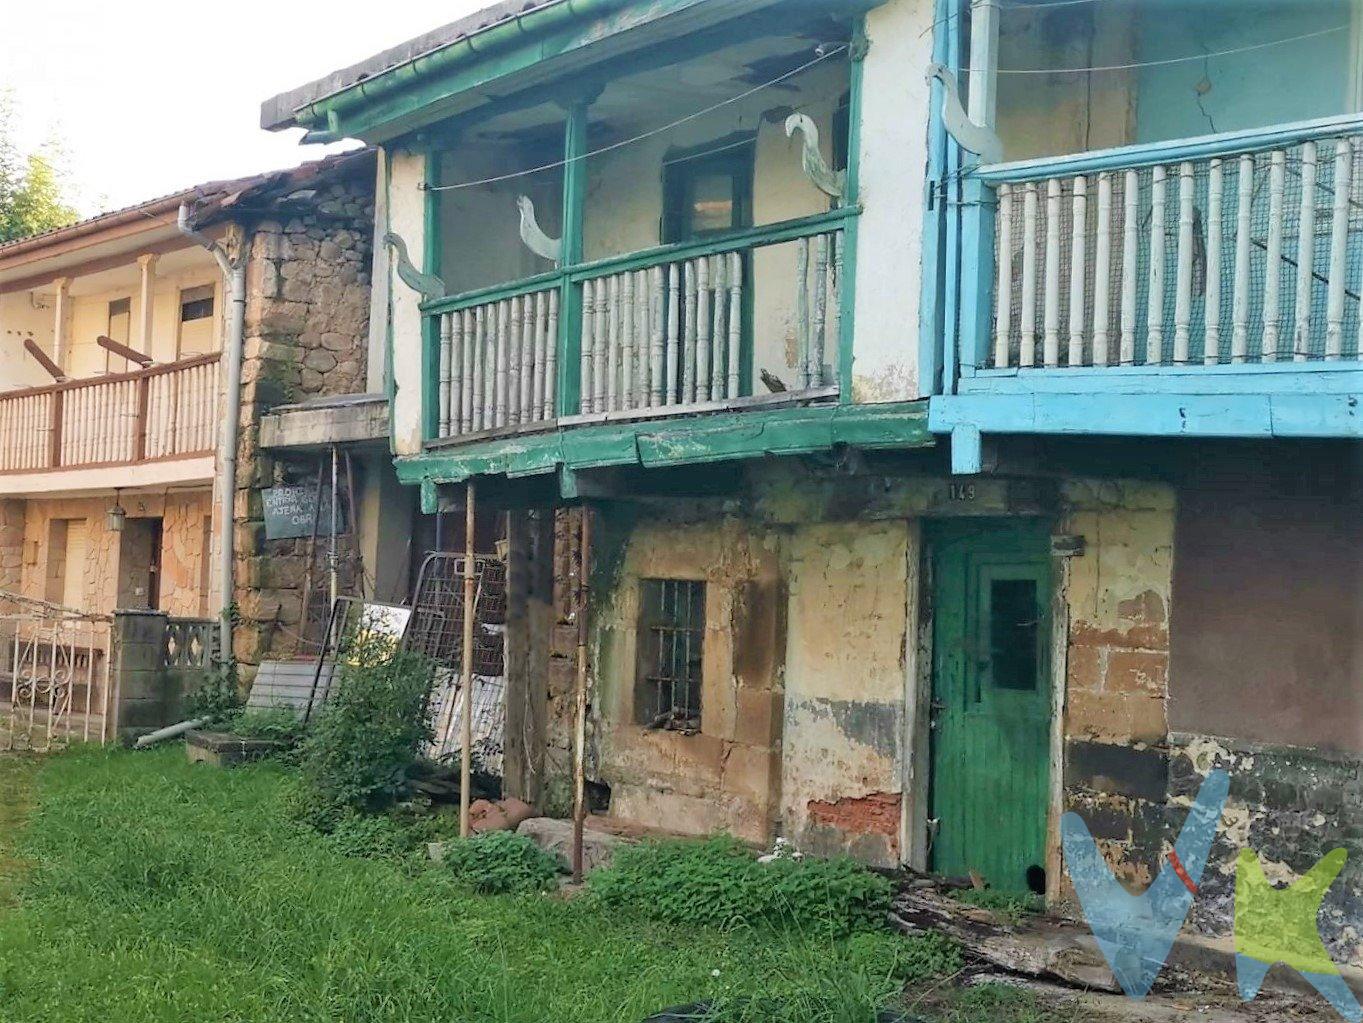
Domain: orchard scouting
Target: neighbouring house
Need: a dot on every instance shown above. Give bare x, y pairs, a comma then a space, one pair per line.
112, 337
963, 397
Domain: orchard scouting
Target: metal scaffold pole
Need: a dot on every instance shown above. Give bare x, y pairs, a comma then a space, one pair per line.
466, 690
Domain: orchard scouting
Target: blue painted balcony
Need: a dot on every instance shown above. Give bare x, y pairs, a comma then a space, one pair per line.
1190, 286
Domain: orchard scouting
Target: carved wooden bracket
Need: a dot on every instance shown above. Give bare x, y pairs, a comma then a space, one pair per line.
426, 285
832, 183
535, 239
975, 138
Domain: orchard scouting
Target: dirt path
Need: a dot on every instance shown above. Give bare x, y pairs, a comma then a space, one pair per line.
16, 800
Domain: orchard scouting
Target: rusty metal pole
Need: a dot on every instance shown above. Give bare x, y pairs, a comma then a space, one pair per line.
580, 716
466, 692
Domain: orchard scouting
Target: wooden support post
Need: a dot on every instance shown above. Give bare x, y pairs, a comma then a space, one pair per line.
59, 314
466, 690
54, 452
580, 695
140, 423
146, 266
568, 397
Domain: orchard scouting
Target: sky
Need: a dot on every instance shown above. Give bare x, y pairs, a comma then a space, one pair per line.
154, 96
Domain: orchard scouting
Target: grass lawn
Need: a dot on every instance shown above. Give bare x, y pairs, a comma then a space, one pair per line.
134, 887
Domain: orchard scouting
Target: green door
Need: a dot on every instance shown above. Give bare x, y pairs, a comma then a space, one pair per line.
991, 701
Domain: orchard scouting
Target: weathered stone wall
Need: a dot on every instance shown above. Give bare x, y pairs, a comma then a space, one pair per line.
726, 777
183, 576
306, 336
11, 545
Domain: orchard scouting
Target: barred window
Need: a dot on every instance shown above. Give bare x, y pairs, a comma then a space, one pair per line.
671, 649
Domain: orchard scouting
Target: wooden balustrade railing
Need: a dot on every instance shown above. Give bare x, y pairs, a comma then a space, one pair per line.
1230, 250
668, 329
166, 411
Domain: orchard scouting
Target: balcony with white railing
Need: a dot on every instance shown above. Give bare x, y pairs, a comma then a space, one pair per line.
671, 244
1191, 285
653, 334
161, 414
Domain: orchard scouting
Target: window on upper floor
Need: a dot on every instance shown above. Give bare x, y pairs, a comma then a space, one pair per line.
671, 649
119, 328
708, 191
1167, 69
196, 321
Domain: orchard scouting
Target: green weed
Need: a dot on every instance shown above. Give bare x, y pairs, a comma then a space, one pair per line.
719, 883
500, 863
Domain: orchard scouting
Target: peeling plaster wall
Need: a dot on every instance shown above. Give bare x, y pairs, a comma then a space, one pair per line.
1222, 609
894, 141
844, 719
804, 673
726, 777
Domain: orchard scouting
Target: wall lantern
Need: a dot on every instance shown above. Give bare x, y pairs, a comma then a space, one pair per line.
115, 517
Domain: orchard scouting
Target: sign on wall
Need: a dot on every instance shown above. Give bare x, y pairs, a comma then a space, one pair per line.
291, 511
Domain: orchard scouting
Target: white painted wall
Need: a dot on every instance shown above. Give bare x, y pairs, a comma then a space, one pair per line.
89, 318
894, 132
406, 216
23, 316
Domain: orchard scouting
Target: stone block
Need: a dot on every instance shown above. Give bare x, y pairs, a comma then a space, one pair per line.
758, 720
556, 837
1137, 671
219, 749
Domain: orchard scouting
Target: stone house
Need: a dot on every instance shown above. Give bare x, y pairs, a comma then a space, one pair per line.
112, 340
954, 455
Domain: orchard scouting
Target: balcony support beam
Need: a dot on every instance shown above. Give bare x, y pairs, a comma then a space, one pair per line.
569, 340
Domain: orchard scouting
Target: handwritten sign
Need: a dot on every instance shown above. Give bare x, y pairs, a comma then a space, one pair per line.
291, 511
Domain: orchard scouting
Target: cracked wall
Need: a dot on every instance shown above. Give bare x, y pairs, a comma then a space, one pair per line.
1218, 627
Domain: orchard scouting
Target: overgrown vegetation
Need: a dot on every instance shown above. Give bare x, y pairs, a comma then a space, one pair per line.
155, 891
217, 697
1011, 906
500, 863
719, 883
360, 755
277, 724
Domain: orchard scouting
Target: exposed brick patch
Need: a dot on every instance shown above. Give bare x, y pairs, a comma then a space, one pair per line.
875, 814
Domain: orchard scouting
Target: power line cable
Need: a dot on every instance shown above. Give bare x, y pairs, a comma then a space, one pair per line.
1166, 61
842, 48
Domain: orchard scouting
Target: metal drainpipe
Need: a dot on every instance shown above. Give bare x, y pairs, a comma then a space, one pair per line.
234, 274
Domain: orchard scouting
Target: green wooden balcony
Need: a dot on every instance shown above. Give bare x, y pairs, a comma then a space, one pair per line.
665, 332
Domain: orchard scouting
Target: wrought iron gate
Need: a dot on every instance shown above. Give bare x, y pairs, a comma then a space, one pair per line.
437, 629
54, 674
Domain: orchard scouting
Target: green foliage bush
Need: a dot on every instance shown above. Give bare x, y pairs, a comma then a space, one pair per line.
500, 863
718, 882
217, 696
362, 748
1008, 905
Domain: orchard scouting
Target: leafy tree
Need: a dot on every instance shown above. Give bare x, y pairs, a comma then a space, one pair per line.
32, 189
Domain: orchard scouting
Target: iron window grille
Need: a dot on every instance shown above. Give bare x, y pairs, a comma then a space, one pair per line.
671, 652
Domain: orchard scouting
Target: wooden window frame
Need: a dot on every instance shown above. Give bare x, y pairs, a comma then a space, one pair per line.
734, 155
